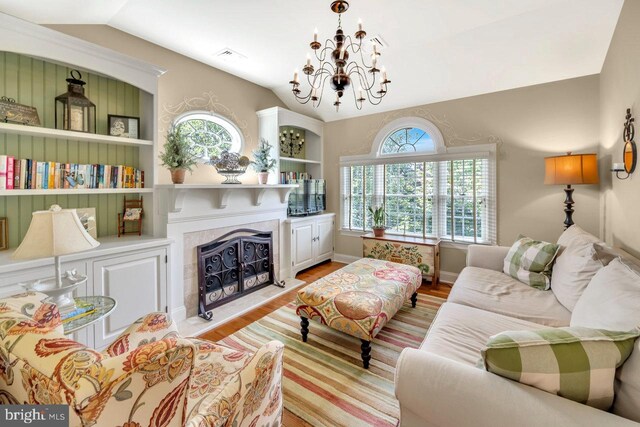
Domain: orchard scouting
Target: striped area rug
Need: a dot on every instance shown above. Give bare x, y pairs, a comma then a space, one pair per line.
324, 383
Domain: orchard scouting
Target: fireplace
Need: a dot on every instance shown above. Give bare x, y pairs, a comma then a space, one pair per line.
230, 267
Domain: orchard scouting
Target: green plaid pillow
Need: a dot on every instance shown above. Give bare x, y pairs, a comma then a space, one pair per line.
575, 363
530, 262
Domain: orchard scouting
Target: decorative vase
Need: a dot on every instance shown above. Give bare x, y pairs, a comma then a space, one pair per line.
177, 175
378, 231
263, 177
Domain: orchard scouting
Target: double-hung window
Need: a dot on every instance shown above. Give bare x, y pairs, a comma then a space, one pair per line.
425, 188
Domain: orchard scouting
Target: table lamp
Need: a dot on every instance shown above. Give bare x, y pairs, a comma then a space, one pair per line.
54, 233
571, 169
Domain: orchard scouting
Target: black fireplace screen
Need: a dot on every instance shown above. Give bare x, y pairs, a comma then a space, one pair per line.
229, 268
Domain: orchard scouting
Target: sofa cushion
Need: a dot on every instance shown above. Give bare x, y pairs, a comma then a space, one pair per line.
612, 301
495, 291
575, 363
575, 265
530, 262
575, 238
460, 332
572, 272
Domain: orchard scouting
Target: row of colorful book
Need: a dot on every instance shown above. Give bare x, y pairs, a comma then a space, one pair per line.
28, 174
289, 177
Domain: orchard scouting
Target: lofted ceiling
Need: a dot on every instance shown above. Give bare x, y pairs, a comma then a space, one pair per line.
437, 50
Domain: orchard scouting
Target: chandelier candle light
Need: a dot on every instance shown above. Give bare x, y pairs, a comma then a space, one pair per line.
342, 73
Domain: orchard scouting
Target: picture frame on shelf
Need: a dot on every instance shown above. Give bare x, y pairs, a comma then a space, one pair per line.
88, 219
124, 126
4, 234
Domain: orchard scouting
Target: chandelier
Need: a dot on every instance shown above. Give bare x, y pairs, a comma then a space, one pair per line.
343, 74
290, 142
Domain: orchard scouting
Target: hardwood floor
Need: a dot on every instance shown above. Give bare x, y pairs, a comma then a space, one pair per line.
310, 275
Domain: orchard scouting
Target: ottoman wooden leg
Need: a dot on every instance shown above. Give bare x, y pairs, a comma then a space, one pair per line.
366, 353
304, 328
414, 299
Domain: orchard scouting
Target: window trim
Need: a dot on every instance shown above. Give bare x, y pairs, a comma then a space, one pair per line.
221, 120
443, 153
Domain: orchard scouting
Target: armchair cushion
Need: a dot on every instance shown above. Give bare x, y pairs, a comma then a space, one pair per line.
152, 327
150, 376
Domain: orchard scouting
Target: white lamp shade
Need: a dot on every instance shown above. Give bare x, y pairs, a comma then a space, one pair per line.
53, 233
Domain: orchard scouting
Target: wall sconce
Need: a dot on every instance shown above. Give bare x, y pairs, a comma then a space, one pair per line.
629, 152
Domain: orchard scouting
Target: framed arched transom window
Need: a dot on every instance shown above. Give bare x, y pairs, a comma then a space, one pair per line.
210, 134
426, 188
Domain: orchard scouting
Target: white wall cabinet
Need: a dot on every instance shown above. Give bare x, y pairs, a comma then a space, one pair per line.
133, 271
138, 283
311, 241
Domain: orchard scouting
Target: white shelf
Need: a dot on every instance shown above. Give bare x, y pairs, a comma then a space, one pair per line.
74, 191
108, 245
42, 132
221, 193
291, 159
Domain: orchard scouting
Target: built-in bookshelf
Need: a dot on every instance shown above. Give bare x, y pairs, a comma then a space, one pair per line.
306, 163
35, 62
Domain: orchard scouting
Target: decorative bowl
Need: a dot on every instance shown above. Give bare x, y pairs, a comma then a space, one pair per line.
230, 165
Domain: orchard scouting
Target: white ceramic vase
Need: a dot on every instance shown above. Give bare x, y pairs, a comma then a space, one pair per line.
263, 177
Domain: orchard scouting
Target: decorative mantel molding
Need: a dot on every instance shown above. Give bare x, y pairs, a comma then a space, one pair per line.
220, 193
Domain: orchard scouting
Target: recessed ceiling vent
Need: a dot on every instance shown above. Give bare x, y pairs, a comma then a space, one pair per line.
229, 55
378, 41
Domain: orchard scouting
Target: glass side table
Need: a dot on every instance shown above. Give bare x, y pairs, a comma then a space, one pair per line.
104, 306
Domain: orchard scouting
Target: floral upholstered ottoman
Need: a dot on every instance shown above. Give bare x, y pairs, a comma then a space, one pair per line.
359, 299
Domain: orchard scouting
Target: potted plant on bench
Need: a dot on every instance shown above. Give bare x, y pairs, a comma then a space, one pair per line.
378, 220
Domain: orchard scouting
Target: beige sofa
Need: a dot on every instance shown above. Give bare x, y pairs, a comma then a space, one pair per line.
440, 384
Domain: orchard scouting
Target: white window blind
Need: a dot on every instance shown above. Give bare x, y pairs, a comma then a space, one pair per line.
451, 199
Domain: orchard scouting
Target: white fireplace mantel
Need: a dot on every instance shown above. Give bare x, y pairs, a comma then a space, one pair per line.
220, 193
189, 210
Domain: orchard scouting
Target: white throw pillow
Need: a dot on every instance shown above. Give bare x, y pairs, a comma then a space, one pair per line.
577, 263
612, 301
572, 272
576, 239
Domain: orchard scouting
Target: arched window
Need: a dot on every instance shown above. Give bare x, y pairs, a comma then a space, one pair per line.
408, 140
408, 136
210, 134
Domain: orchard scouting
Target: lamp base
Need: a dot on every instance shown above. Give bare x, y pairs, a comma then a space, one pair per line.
568, 207
60, 294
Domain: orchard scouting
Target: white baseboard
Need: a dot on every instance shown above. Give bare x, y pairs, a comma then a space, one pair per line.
345, 259
448, 277
179, 314
445, 276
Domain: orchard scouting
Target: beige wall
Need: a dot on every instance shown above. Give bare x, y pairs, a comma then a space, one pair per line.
619, 90
532, 122
234, 98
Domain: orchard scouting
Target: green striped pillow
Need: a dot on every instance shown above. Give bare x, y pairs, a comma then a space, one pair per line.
576, 363
530, 262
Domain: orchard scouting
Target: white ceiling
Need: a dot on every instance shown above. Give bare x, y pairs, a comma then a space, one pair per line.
438, 50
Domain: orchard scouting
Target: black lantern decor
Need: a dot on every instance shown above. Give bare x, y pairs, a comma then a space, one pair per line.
74, 111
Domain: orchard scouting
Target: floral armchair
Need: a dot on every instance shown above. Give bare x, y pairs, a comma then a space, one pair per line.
149, 376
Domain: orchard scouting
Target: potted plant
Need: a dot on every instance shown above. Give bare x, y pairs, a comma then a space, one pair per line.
378, 220
178, 156
263, 162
